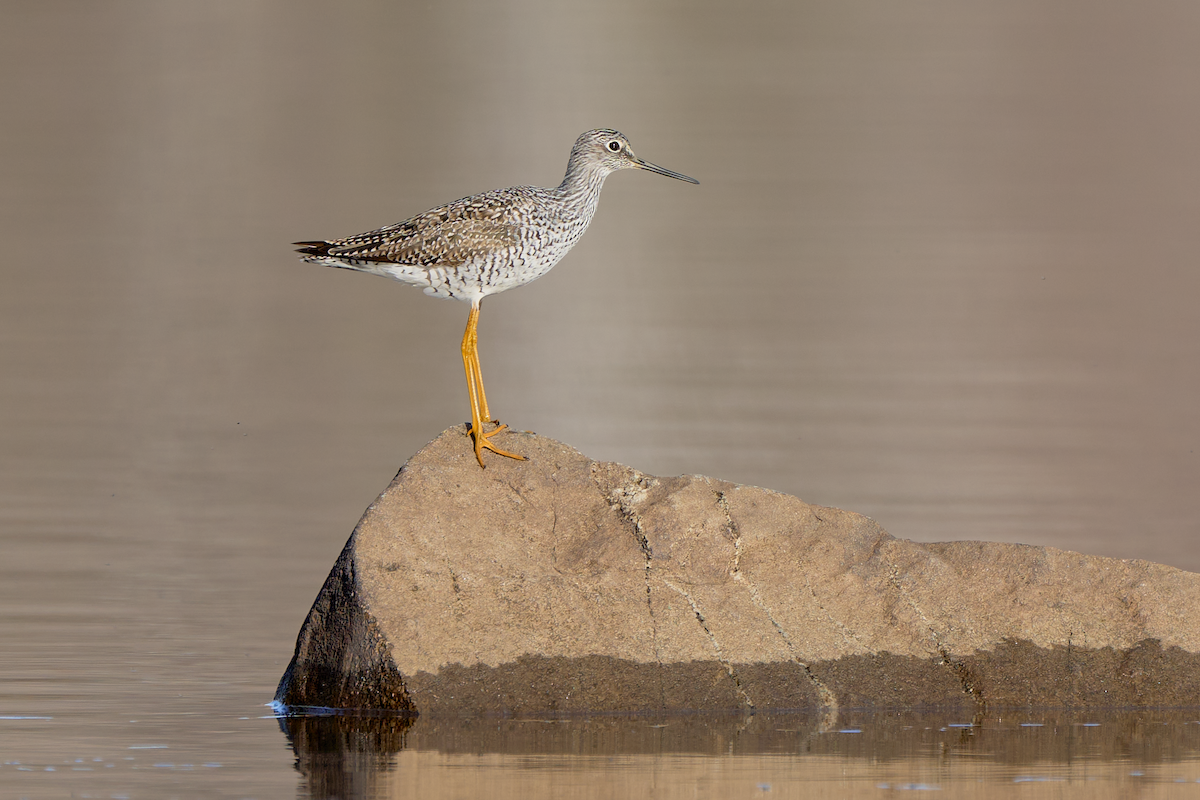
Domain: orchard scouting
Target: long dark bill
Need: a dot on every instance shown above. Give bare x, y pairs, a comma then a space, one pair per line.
664, 171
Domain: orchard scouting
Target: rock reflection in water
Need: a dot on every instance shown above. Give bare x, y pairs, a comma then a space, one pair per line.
392, 756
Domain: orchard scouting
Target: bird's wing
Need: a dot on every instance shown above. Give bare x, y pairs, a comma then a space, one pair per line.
446, 236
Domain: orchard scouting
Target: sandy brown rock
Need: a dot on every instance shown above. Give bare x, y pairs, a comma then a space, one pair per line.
567, 585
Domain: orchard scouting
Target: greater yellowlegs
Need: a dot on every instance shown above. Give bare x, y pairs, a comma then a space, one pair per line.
487, 243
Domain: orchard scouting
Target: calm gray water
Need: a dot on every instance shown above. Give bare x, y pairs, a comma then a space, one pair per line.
940, 270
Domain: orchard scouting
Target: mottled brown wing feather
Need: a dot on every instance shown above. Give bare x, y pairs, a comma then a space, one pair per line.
445, 236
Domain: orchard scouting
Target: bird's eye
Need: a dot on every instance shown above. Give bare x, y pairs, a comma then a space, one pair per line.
614, 146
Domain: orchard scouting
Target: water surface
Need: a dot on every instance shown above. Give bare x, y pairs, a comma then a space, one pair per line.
940, 270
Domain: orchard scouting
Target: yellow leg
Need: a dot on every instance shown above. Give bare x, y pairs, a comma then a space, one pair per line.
477, 371
479, 406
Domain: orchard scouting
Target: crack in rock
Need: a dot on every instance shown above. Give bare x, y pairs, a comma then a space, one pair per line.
459, 607
961, 671
713, 639
624, 498
825, 695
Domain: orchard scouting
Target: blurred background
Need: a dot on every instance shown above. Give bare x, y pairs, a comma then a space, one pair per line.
941, 270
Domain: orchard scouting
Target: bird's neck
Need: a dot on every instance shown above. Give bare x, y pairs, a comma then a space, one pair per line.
581, 186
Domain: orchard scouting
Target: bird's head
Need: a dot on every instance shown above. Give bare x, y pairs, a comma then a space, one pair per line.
610, 151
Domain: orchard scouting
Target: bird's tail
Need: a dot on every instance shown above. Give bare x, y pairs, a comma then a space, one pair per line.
317, 249
323, 253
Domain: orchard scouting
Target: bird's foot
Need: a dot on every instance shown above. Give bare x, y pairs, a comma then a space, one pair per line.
482, 443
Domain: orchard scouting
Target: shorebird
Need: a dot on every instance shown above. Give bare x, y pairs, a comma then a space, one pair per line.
488, 243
